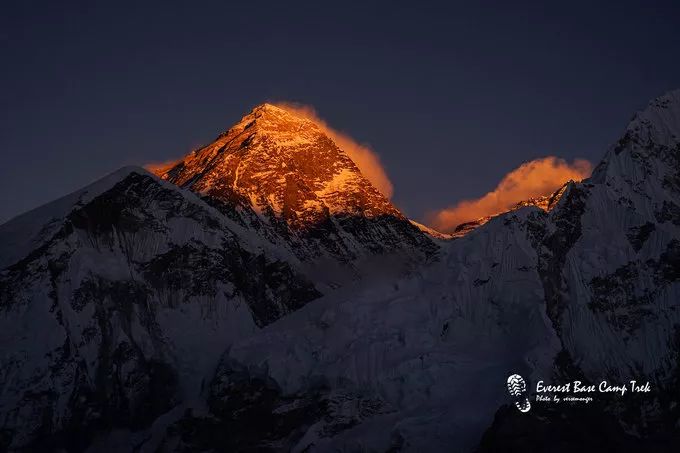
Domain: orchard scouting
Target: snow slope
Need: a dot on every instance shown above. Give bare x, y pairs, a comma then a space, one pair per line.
433, 349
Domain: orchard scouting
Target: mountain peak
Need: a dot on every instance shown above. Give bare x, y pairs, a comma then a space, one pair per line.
279, 113
273, 112
646, 154
278, 123
659, 122
282, 166
281, 173
270, 108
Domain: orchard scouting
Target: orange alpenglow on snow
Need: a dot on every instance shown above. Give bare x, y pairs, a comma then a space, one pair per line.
538, 178
363, 156
285, 163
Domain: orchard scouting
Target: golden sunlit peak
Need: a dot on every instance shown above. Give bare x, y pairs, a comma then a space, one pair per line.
361, 154
285, 110
279, 116
268, 106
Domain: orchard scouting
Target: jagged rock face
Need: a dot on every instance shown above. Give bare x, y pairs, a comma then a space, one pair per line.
545, 202
619, 246
283, 165
466, 227
282, 174
101, 324
608, 260
250, 412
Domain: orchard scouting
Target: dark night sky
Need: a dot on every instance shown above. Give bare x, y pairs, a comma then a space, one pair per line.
451, 97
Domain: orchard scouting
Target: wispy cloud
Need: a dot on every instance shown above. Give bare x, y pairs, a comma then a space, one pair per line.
532, 179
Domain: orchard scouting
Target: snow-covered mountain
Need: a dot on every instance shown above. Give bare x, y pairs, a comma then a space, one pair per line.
183, 313
280, 174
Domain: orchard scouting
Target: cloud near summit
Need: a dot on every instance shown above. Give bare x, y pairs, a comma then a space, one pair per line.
364, 157
531, 179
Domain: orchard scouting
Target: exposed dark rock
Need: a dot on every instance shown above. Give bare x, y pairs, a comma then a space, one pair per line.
617, 297
637, 236
669, 212
250, 413
553, 248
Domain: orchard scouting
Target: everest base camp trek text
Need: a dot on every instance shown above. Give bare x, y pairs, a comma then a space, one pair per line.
579, 392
